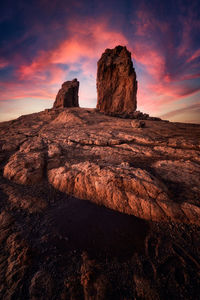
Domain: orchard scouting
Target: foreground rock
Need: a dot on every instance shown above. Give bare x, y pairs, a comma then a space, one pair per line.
81, 152
55, 246
67, 95
116, 82
128, 190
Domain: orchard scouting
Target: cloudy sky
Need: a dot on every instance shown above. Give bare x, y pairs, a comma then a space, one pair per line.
44, 43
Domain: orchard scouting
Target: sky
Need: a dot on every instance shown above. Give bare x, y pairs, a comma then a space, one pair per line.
44, 43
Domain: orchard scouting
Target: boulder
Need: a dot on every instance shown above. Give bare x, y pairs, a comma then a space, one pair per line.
116, 82
128, 190
138, 124
25, 168
68, 95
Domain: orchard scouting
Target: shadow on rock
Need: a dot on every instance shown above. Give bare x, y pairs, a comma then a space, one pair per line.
98, 230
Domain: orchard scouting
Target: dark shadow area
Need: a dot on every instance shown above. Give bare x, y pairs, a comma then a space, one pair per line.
98, 230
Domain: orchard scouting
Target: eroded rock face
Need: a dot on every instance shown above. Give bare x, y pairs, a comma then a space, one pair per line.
80, 152
116, 82
128, 190
56, 246
26, 166
67, 95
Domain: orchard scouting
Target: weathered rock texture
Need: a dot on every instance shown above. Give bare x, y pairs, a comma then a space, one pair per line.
55, 246
116, 82
81, 152
67, 95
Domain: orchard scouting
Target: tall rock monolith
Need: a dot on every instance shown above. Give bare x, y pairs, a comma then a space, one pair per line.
116, 82
68, 95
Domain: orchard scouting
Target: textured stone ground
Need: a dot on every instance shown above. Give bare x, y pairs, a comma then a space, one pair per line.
55, 246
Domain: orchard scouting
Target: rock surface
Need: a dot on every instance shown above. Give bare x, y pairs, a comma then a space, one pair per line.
80, 151
137, 124
138, 235
116, 82
68, 95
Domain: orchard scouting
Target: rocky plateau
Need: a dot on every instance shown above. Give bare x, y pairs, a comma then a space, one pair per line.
144, 184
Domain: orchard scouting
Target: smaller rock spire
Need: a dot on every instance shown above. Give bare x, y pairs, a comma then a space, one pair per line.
68, 95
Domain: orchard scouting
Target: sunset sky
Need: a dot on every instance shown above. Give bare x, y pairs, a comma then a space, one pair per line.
44, 43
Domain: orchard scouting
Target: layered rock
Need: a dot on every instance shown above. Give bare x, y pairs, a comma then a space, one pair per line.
55, 246
81, 152
68, 95
128, 190
116, 82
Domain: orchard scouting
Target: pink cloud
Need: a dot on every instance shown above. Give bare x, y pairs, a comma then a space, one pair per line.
146, 23
85, 40
151, 58
191, 76
195, 55
166, 73
79, 51
186, 109
28, 90
155, 86
189, 24
3, 63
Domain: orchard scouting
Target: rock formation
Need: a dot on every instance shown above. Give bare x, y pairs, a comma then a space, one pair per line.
116, 82
68, 95
56, 246
79, 156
